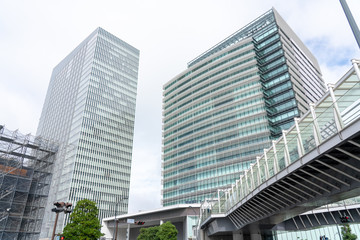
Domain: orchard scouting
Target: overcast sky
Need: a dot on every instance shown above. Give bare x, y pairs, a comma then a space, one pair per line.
36, 35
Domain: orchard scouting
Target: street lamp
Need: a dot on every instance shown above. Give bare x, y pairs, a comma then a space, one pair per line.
116, 222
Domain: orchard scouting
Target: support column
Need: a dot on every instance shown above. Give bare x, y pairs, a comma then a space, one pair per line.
203, 235
255, 233
255, 236
238, 236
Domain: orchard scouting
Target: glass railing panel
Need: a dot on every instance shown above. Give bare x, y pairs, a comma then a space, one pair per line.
256, 175
238, 191
348, 100
326, 122
270, 160
243, 188
280, 148
307, 133
262, 172
292, 142
249, 182
216, 208
223, 200
222, 207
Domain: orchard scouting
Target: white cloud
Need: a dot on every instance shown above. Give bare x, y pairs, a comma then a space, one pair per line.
36, 35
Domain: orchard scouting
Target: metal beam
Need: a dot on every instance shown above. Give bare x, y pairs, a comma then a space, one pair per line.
269, 199
304, 186
337, 170
302, 221
351, 20
354, 143
295, 223
288, 195
280, 195
247, 214
235, 221
321, 180
325, 217
237, 216
311, 182
330, 176
251, 206
298, 189
287, 189
316, 218
343, 163
269, 206
264, 206
349, 154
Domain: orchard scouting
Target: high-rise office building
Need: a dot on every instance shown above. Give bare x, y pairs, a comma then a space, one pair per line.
90, 110
230, 103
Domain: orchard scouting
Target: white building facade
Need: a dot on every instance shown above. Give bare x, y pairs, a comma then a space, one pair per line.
90, 110
230, 103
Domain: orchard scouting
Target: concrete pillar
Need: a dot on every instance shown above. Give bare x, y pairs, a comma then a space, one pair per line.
184, 226
203, 235
238, 236
255, 236
255, 233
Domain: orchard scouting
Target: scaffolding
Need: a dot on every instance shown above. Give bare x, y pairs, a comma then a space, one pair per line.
25, 176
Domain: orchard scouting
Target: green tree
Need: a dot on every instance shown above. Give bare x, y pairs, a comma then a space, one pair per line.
84, 223
148, 233
166, 231
346, 233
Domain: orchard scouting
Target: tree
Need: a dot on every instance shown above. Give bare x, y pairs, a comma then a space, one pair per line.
165, 231
148, 233
346, 233
84, 223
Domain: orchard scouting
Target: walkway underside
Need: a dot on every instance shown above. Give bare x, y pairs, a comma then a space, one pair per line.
325, 175
224, 229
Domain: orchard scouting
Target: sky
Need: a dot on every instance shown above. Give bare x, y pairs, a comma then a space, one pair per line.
36, 35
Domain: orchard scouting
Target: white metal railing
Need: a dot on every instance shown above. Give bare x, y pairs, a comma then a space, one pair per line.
338, 108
